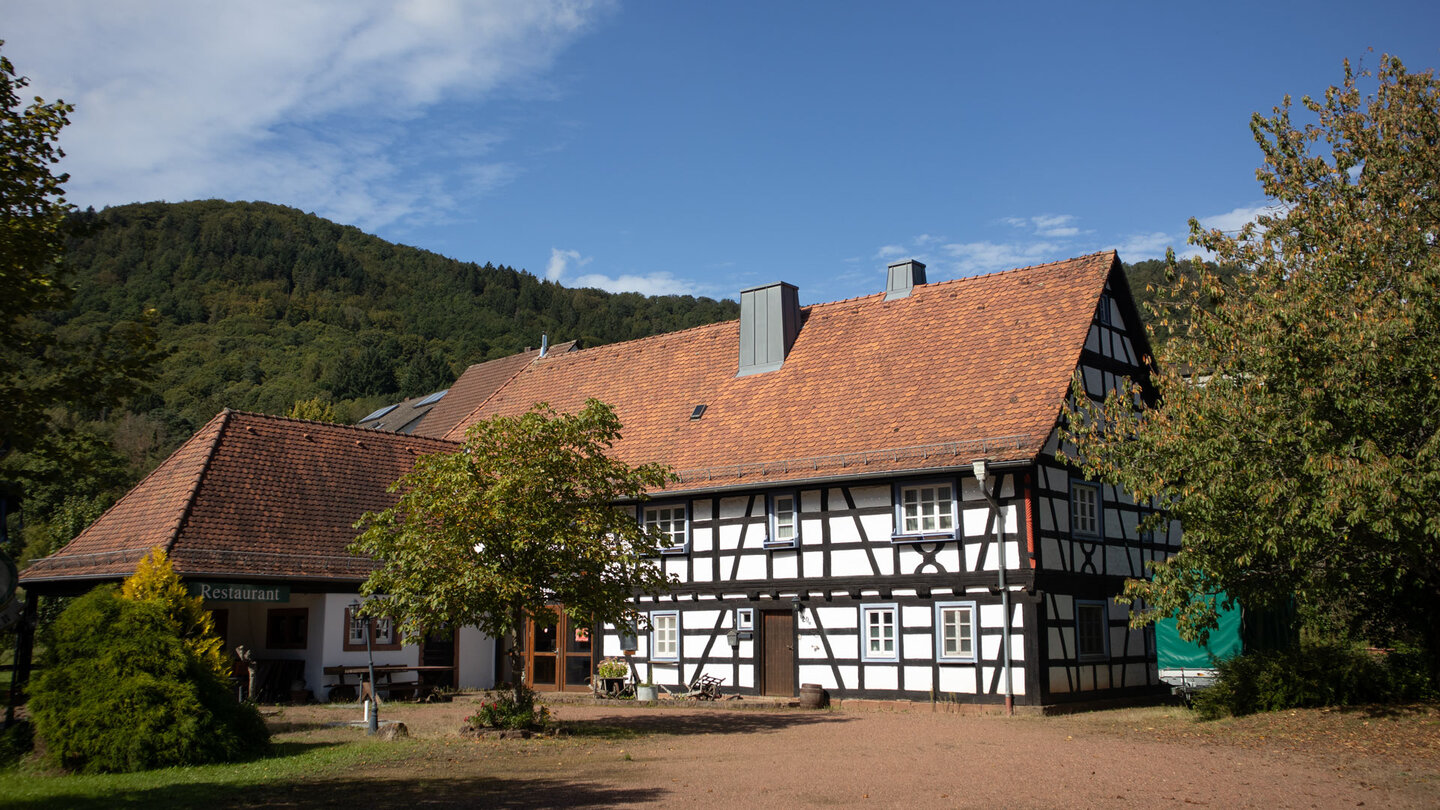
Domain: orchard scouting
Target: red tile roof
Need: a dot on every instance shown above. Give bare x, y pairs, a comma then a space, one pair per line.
958, 370
476, 385
248, 496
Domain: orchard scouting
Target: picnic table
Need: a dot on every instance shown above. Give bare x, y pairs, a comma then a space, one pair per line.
384, 674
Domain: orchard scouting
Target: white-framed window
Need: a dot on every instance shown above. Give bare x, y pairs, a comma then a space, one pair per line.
955, 631
1092, 630
670, 523
879, 633
382, 629
356, 627
925, 510
1085, 509
784, 521
665, 636
744, 618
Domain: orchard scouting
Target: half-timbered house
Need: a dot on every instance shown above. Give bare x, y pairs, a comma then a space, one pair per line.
868, 495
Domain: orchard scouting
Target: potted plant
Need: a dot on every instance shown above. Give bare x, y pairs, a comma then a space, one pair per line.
611, 674
647, 690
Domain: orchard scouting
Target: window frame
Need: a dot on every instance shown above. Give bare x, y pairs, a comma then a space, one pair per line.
892, 657
974, 655
1099, 510
372, 627
684, 507
772, 536
272, 642
745, 618
655, 654
900, 535
1091, 655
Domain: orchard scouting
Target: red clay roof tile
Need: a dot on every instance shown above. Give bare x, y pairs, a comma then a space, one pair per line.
976, 367
248, 496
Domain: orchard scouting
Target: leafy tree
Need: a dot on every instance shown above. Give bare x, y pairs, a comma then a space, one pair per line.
124, 687
524, 516
40, 366
155, 580
1305, 460
1153, 278
315, 409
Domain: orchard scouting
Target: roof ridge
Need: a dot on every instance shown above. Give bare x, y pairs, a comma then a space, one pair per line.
962, 279
224, 416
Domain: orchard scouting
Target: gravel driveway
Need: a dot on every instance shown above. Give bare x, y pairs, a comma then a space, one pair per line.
714, 757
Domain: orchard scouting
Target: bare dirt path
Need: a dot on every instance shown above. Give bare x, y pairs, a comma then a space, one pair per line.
714, 757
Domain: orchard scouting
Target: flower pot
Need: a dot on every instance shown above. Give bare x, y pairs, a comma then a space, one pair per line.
644, 692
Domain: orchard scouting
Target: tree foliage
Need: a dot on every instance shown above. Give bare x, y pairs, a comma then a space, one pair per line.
1302, 458
155, 580
129, 682
523, 517
39, 366
315, 409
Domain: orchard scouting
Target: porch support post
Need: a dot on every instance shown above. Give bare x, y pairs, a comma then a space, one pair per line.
24, 650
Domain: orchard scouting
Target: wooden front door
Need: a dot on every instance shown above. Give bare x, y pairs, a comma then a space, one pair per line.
777, 635
558, 658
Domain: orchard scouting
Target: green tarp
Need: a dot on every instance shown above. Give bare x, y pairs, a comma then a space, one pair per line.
1176, 653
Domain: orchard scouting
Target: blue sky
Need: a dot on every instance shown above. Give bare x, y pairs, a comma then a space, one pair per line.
701, 147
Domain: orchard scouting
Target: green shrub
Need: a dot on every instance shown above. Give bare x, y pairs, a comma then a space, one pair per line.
513, 709
15, 742
1311, 675
122, 691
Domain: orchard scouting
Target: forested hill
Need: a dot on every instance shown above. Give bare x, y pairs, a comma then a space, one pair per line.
262, 305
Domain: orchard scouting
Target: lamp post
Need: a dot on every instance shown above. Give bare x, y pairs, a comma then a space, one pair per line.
372, 702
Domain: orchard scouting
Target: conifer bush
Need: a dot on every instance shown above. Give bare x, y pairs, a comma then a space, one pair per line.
124, 689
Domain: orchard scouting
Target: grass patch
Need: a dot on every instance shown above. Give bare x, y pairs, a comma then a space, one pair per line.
291, 761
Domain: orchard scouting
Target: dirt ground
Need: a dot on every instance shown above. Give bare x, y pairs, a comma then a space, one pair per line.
624, 755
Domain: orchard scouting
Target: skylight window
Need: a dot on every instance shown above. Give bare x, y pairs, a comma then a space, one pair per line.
379, 413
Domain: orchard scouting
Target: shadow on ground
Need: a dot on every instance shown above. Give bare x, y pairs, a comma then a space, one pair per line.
624, 724
360, 792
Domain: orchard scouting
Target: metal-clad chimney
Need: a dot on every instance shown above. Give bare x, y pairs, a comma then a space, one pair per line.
903, 277
769, 322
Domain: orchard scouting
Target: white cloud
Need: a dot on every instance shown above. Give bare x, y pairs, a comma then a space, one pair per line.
975, 258
651, 284
1233, 221
890, 251
659, 283
560, 262
1141, 246
324, 106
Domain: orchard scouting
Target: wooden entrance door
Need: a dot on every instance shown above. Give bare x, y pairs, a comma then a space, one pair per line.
558, 658
777, 667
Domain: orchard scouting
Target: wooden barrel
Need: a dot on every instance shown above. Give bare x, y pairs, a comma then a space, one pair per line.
812, 696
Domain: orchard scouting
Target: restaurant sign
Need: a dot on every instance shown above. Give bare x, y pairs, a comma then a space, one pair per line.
239, 592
